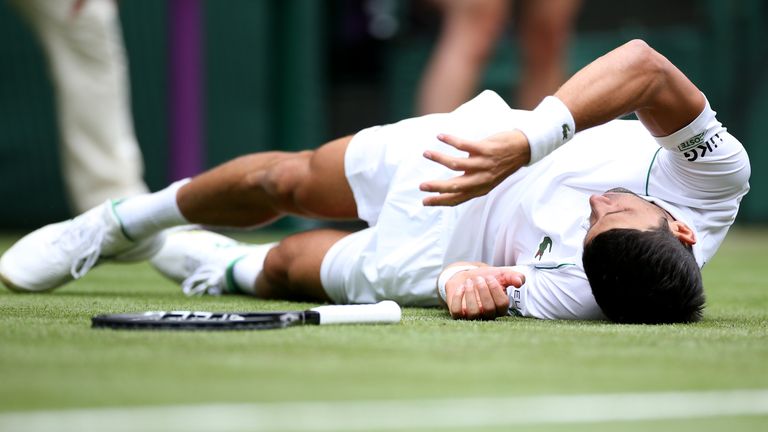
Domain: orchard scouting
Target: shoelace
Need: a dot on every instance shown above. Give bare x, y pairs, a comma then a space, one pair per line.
205, 280
74, 240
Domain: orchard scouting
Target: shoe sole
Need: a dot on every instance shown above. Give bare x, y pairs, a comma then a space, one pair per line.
12, 286
8, 284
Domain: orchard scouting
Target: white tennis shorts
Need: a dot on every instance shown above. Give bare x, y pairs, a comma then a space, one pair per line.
401, 254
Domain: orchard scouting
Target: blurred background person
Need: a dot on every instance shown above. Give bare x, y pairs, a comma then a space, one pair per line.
83, 44
469, 33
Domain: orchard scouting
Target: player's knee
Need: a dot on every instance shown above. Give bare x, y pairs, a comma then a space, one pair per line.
276, 264
279, 265
282, 260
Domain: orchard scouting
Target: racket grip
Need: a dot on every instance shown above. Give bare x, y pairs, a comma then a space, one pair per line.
383, 312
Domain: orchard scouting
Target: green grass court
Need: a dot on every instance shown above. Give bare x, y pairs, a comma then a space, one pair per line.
461, 374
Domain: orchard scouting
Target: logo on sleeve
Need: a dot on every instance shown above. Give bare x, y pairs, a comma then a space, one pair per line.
545, 242
693, 142
702, 150
515, 302
566, 131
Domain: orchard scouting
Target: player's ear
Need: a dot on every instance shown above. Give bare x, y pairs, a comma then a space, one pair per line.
683, 232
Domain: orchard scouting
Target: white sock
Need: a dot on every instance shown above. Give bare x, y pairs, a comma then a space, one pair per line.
248, 268
145, 215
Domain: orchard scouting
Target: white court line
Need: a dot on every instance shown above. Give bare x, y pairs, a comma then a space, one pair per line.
396, 415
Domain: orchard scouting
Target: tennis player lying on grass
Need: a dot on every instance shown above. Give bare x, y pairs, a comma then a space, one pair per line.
674, 180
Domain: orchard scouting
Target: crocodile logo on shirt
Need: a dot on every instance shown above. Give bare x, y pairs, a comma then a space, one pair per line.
545, 242
566, 130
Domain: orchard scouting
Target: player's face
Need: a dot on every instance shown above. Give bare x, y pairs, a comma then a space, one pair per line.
620, 208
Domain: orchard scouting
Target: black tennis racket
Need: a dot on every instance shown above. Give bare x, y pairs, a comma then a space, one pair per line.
380, 313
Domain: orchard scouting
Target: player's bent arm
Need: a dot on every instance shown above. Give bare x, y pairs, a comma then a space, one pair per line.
476, 290
632, 78
636, 78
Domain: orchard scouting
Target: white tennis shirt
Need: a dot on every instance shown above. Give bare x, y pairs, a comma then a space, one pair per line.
537, 218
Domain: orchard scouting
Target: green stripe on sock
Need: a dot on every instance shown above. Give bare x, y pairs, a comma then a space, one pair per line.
230, 285
113, 204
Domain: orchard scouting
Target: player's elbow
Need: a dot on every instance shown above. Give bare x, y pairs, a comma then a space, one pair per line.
643, 58
651, 69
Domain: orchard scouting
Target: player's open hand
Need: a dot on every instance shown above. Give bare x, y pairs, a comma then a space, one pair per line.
481, 293
490, 161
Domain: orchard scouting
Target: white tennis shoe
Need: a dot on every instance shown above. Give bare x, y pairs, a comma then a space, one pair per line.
202, 261
55, 254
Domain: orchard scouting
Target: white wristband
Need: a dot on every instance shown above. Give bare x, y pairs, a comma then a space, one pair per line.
550, 126
447, 274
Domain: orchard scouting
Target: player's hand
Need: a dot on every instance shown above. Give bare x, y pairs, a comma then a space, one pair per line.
490, 161
481, 293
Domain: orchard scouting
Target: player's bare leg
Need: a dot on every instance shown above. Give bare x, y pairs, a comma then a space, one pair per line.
256, 189
292, 268
248, 191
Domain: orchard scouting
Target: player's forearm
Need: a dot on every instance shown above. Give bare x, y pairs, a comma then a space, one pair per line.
632, 78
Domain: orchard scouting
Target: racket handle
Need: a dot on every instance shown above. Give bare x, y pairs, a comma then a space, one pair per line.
383, 312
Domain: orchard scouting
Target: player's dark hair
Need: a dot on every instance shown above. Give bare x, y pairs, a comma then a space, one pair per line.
647, 277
